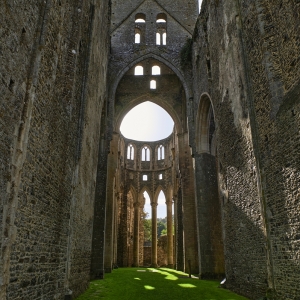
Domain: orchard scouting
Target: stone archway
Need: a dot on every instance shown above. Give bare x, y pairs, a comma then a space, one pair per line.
210, 240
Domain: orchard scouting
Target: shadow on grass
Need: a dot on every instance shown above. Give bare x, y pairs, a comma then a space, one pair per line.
158, 284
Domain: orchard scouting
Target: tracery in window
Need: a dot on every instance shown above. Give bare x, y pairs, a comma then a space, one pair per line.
161, 29
155, 70
145, 154
130, 152
138, 71
161, 152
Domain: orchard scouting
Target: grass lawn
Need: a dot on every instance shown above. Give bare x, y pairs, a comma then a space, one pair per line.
156, 284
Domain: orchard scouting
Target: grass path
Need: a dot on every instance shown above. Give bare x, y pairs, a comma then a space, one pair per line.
154, 284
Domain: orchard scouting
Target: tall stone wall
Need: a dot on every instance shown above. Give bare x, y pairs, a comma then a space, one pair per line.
274, 69
219, 76
53, 70
245, 60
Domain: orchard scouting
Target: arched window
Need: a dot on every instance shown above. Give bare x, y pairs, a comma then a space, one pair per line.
161, 152
160, 176
145, 177
153, 84
161, 29
138, 71
130, 152
140, 27
145, 154
140, 18
164, 38
158, 38
137, 36
155, 70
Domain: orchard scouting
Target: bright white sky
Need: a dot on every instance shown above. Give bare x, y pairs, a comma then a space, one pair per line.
161, 207
200, 2
147, 122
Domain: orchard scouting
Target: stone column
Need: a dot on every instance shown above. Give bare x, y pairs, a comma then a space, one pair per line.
136, 234
170, 231
188, 205
112, 161
154, 235
179, 233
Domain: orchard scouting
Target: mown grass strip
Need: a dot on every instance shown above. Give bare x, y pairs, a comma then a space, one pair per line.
158, 284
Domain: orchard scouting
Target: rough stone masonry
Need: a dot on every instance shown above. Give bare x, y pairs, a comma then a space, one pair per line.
71, 185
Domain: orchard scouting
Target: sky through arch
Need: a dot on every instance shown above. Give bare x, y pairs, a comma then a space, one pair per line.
147, 122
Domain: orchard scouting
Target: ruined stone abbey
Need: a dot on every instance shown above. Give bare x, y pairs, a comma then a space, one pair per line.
71, 185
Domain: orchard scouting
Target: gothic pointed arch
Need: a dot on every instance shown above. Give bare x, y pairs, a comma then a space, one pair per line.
205, 126
136, 61
158, 190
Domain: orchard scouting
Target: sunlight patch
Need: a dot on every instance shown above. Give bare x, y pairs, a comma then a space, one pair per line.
149, 287
186, 285
137, 278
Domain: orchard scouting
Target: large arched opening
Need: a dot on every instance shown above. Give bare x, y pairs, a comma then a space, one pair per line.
210, 239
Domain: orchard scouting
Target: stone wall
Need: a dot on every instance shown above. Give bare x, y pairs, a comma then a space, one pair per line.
51, 101
219, 76
274, 69
244, 58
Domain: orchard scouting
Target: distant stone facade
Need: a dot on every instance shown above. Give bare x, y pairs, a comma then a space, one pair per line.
70, 191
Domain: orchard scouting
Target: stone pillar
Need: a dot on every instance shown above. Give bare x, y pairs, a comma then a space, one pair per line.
179, 233
110, 200
188, 204
154, 235
117, 205
136, 234
170, 231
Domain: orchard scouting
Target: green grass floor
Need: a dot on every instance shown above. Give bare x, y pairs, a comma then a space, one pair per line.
156, 284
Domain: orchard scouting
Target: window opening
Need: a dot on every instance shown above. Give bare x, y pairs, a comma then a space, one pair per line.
164, 38
153, 84
138, 71
140, 20
130, 152
155, 70
145, 154
161, 18
161, 152
160, 176
137, 38
157, 38
145, 177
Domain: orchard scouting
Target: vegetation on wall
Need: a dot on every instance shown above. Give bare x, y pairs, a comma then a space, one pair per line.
186, 53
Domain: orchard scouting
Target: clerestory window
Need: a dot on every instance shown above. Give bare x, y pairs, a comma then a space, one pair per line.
161, 29
138, 71
130, 152
153, 84
137, 36
161, 152
140, 27
146, 154
155, 70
